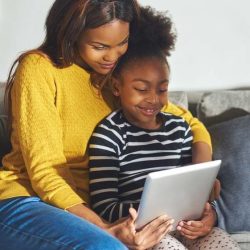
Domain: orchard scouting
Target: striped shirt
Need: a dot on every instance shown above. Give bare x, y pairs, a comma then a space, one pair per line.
121, 155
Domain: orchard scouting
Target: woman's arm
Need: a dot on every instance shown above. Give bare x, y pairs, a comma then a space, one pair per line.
38, 126
201, 152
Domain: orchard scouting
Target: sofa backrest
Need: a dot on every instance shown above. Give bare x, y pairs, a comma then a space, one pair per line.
4, 140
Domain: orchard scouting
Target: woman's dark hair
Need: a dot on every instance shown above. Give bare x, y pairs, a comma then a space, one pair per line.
66, 21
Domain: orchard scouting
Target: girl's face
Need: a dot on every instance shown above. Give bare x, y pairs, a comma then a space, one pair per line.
100, 48
142, 89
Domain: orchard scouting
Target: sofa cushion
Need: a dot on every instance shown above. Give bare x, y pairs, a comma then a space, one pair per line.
219, 106
2, 90
179, 98
243, 239
231, 143
4, 140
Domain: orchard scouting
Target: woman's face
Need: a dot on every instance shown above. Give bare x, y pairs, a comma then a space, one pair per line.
142, 89
100, 48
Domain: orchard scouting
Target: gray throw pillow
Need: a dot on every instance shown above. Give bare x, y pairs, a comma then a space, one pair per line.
231, 143
178, 98
2, 90
219, 106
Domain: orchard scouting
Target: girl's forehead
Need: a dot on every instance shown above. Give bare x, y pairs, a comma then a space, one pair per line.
145, 62
147, 69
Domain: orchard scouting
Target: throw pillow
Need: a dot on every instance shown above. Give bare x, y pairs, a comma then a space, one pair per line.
178, 98
231, 144
4, 140
2, 90
219, 106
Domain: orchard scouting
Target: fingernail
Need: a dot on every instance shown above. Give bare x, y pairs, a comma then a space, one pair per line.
178, 228
172, 221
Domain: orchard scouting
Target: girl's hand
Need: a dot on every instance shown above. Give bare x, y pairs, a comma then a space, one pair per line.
147, 237
195, 229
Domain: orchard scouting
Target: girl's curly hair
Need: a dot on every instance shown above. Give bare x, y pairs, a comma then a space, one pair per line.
155, 30
155, 36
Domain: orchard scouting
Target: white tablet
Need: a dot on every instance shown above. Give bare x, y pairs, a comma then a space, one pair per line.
180, 193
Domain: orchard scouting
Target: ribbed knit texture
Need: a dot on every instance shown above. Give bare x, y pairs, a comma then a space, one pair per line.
54, 113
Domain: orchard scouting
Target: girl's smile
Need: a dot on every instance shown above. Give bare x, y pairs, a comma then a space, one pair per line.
142, 88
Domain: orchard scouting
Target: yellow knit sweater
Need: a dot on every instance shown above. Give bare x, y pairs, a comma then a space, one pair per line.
54, 113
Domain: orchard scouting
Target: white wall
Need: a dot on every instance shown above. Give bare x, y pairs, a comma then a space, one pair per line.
21, 28
212, 51
213, 46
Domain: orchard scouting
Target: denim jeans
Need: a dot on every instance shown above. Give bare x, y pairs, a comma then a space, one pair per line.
27, 223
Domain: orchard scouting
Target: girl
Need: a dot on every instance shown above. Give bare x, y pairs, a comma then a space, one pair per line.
139, 138
54, 109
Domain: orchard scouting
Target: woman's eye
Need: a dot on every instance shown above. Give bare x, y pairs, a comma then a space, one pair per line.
124, 42
98, 47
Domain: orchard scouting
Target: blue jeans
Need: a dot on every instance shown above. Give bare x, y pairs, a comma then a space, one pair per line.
27, 223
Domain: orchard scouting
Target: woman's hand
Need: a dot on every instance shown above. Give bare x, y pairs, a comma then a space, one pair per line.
195, 229
147, 237
124, 229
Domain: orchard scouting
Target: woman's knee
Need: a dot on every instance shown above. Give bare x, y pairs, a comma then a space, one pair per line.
28, 223
106, 242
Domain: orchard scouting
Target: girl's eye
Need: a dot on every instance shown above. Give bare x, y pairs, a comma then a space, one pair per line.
141, 89
163, 90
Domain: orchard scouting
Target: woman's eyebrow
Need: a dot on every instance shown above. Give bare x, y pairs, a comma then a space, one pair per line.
106, 45
125, 39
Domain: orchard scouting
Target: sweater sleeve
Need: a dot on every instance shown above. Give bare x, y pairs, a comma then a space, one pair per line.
104, 175
200, 133
39, 130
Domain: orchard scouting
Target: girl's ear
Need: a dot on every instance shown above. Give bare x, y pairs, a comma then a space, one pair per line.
115, 85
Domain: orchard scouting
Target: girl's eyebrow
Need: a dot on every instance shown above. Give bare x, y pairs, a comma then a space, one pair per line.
105, 45
146, 81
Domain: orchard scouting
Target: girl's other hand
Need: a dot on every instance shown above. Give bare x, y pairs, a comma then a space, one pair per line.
195, 229
146, 237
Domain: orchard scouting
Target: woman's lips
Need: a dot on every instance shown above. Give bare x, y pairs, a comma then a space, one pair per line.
107, 65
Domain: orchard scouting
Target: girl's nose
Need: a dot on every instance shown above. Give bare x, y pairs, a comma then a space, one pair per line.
152, 97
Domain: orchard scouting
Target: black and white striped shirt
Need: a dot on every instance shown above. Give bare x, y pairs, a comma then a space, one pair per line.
121, 156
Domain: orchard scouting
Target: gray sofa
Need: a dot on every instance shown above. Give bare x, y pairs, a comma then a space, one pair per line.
226, 114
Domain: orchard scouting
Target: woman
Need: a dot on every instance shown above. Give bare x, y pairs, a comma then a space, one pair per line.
53, 109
